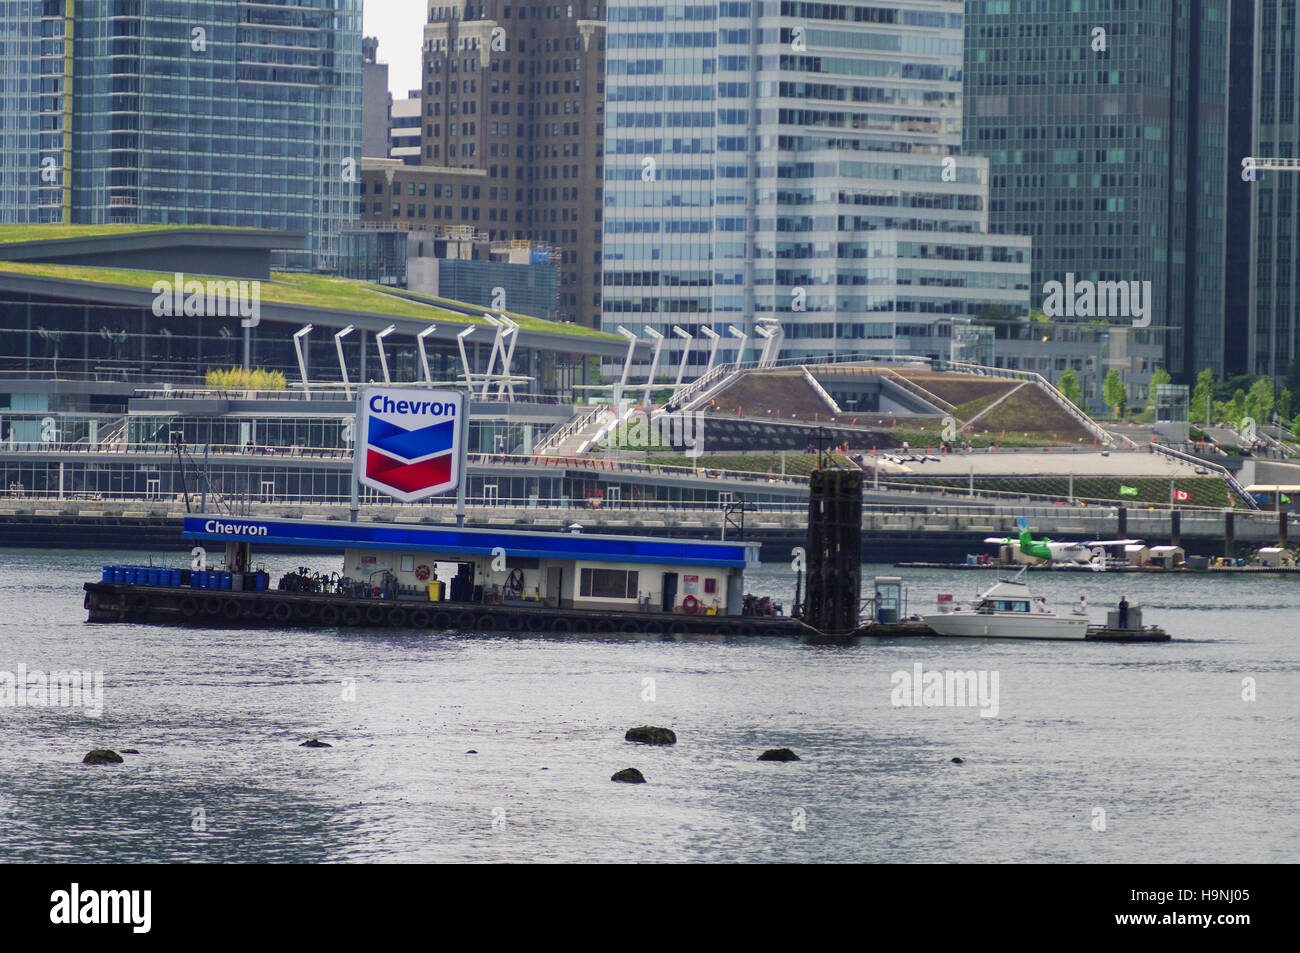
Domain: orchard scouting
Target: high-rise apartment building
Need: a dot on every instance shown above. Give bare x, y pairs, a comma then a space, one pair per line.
1106, 129
225, 112
780, 162
516, 90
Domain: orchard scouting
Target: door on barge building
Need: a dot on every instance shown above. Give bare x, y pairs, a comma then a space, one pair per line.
669, 591
555, 586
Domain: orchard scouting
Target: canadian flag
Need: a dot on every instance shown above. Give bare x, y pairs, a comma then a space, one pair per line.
1180, 495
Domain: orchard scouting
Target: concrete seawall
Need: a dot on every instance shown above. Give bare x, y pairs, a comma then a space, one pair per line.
903, 533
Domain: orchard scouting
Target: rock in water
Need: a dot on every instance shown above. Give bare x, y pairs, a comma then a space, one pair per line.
102, 756
778, 754
129, 751
647, 735
958, 761
629, 776
315, 743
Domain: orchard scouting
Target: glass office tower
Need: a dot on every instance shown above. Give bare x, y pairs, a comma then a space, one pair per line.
209, 112
785, 161
1109, 150
1275, 217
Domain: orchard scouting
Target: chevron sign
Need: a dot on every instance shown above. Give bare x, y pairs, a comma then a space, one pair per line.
409, 441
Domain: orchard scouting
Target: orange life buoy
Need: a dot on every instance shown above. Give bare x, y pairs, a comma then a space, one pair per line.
690, 605
421, 573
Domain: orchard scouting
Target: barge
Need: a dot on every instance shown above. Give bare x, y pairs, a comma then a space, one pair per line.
431, 577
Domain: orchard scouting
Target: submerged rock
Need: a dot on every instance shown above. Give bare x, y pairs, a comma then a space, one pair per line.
778, 754
129, 751
648, 735
629, 776
102, 756
958, 761
315, 743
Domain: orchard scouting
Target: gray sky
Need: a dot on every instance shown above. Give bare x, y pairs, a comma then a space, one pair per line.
399, 25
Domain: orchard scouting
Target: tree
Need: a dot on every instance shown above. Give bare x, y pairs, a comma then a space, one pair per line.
1284, 405
1202, 394
1261, 399
1113, 390
1068, 385
1237, 407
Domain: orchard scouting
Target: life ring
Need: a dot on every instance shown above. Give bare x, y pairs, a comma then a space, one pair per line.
690, 605
329, 615
422, 572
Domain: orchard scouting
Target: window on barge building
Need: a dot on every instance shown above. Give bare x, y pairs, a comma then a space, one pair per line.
609, 583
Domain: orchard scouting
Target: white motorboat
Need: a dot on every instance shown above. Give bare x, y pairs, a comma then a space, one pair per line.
1008, 610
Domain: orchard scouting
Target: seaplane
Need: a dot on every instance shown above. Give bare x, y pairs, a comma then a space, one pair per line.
1063, 552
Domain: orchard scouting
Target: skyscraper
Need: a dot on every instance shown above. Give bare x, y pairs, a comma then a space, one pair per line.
516, 90
225, 112
797, 164
1106, 134
1275, 217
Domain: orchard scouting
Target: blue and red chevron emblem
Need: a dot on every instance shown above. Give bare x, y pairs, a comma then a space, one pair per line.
410, 441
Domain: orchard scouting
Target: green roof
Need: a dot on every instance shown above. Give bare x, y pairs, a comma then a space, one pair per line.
38, 233
305, 290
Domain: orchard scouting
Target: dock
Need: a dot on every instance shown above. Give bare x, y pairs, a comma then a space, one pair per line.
1096, 633
209, 608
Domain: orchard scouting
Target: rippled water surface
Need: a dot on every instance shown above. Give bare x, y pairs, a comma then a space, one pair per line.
1155, 743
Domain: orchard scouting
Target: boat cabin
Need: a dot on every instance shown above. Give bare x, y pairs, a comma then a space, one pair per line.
425, 562
1006, 597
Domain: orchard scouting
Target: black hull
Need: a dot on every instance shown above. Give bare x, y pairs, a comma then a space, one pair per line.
212, 608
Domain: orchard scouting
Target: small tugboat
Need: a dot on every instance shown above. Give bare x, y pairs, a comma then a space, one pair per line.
1007, 610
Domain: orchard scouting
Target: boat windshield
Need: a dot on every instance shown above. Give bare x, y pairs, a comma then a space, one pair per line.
1003, 605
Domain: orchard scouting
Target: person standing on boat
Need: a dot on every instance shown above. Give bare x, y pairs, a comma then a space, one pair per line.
1083, 606
1123, 612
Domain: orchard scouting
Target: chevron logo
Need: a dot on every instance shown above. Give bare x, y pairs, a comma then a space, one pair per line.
410, 441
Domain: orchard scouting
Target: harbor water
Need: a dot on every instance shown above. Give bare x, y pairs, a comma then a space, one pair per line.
1182, 752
